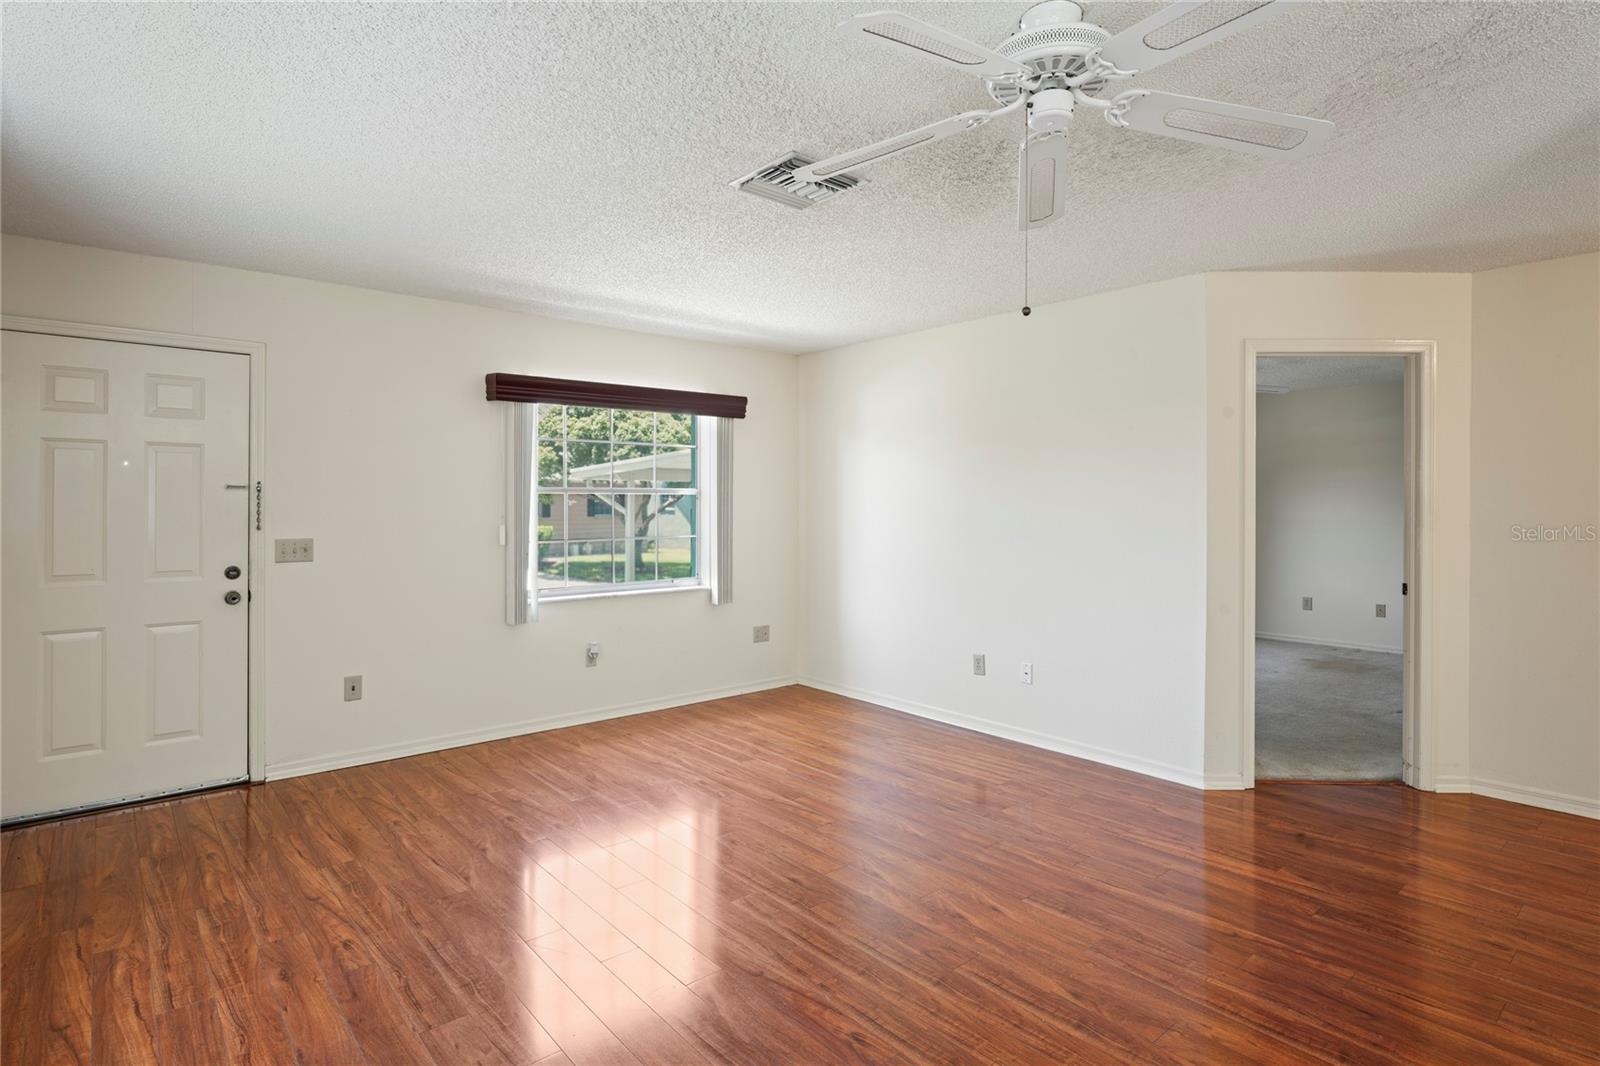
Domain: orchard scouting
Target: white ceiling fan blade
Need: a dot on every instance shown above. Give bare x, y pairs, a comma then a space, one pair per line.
1184, 27
879, 150
1272, 134
1042, 181
907, 34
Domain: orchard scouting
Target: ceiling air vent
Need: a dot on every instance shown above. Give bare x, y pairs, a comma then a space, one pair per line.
775, 181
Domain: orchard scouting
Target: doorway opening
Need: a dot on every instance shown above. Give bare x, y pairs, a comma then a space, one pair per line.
1336, 490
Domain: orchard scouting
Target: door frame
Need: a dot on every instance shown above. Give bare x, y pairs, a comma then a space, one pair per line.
256, 352
1421, 729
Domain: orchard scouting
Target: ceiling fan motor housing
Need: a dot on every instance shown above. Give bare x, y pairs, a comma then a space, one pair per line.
1051, 40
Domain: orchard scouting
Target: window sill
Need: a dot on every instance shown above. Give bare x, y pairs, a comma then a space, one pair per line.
611, 594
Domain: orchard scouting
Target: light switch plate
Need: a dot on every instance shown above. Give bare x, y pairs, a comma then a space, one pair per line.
761, 634
1383, 610
352, 688
1027, 673
979, 667
297, 550
1305, 603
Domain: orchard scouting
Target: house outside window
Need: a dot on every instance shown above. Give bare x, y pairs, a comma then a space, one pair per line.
618, 499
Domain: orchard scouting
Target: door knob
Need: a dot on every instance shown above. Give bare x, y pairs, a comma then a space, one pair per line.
231, 573
231, 597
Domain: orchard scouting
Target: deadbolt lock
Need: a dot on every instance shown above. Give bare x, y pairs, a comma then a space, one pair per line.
231, 573
231, 597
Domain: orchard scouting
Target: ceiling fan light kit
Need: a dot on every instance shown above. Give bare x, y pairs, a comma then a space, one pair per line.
1052, 65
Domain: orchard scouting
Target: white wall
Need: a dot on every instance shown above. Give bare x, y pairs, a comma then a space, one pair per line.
1331, 515
1064, 489
1328, 306
1029, 488
381, 447
1536, 596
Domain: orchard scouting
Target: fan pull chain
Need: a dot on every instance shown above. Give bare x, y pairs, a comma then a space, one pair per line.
1026, 310
1027, 174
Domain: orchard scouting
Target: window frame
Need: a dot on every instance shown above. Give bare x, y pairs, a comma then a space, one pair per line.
702, 433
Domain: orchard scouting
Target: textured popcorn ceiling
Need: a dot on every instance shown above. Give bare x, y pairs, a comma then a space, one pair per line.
1293, 373
575, 159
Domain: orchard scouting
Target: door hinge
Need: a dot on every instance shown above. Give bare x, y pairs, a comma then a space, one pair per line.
1405, 588
258, 507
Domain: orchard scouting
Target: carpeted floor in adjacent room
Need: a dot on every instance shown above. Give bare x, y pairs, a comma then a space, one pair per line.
1327, 714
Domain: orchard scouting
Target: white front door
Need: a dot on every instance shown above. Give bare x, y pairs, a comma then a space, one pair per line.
125, 667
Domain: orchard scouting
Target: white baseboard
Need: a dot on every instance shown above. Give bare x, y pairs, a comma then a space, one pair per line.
1330, 643
384, 752
1121, 761
1554, 801
1584, 806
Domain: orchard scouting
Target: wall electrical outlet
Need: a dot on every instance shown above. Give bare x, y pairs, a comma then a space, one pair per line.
978, 666
761, 634
297, 550
1305, 603
1027, 673
1383, 610
591, 654
352, 688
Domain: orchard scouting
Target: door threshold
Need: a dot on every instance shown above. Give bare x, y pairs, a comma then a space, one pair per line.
1328, 781
84, 810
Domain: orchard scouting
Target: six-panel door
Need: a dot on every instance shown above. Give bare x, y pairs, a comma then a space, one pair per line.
125, 669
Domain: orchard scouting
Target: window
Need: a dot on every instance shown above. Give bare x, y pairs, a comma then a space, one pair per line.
618, 498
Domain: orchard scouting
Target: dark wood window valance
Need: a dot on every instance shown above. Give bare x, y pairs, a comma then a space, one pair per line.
523, 388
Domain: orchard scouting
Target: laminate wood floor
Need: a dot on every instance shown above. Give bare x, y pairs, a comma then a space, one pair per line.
796, 877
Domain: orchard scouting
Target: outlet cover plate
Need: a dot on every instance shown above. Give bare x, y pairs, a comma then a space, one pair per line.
1383, 610
1027, 673
979, 667
761, 634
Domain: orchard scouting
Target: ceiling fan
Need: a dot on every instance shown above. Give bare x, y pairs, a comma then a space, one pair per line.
1054, 63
